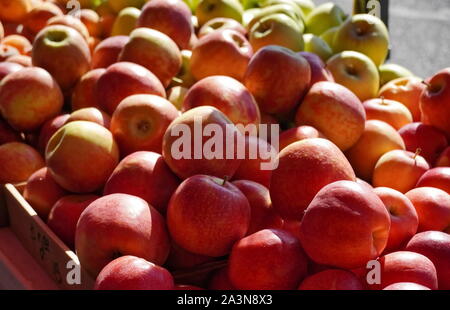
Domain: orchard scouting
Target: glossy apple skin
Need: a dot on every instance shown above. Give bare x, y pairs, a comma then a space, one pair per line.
332, 279
71, 150
25, 113
436, 246
223, 52
49, 128
7, 68
140, 122
392, 112
84, 95
443, 159
269, 259
305, 167
107, 52
92, 21
406, 91
212, 220
406, 286
433, 208
64, 216
124, 79
185, 167
91, 115
405, 266
162, 56
319, 72
18, 161
278, 79
125, 22
37, 18
42, 192
437, 177
220, 23
298, 134
335, 111
171, 17
72, 22
145, 175
65, 60
435, 102
14, 11
430, 140
377, 139
117, 225
399, 170
208, 9
404, 218
22, 60
21, 43
227, 95
133, 273
345, 226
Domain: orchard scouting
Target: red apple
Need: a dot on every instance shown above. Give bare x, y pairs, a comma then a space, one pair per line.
212, 220
436, 177
298, 134
64, 216
145, 175
49, 128
220, 23
29, 97
84, 94
133, 273
118, 225
278, 78
124, 79
406, 286
7, 68
18, 161
220, 281
72, 22
23, 60
345, 226
181, 259
319, 72
444, 158
305, 167
332, 279
92, 21
392, 112
140, 122
107, 52
269, 259
91, 115
37, 18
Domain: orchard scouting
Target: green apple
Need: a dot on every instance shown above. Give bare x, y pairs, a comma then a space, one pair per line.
305, 5
184, 77
389, 72
288, 9
250, 4
248, 16
209, 9
324, 17
366, 34
125, 21
277, 29
316, 45
357, 72
328, 36
192, 4
176, 96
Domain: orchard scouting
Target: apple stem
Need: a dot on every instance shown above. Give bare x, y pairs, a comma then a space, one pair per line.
427, 84
382, 100
418, 151
225, 179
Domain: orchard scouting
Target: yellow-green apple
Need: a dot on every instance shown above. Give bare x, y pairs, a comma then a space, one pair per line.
29, 97
184, 77
162, 56
433, 208
406, 286
278, 78
307, 6
324, 17
328, 36
117, 225
145, 175
134, 273
188, 151
172, 17
406, 91
345, 226
65, 214
14, 10
287, 8
71, 22
18, 161
435, 102
42, 192
107, 52
7, 133
37, 18
223, 52
276, 29
48, 129
64, 53
248, 16
192, 4
227, 95
436, 246
140, 122
298, 134
107, 17
406, 266
364, 33
335, 111
92, 21
193, 220
72, 149
318, 46
90, 114
437, 177
84, 95
209, 9
125, 22
356, 72
269, 259
124, 79
399, 170
430, 140
377, 139
176, 96
220, 23
443, 159
332, 279
7, 67
392, 112
319, 72
119, 5
390, 72
305, 167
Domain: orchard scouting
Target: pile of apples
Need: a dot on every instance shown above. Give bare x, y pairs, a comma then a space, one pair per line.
89, 100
